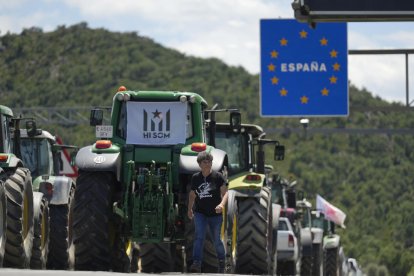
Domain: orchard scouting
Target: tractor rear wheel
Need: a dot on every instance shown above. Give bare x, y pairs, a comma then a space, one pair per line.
3, 225
61, 234
41, 232
92, 218
252, 235
134, 259
156, 257
19, 234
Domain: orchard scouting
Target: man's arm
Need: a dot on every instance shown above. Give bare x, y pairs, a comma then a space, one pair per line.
223, 192
191, 198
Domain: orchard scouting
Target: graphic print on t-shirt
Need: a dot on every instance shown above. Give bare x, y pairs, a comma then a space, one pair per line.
204, 190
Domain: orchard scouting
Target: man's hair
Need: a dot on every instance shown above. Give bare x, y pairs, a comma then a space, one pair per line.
204, 156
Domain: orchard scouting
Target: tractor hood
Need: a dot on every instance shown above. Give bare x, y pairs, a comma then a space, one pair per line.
188, 160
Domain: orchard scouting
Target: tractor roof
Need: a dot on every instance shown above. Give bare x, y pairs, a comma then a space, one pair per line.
6, 111
163, 95
254, 130
45, 135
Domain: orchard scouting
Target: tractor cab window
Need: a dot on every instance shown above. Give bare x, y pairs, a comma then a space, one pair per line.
189, 123
121, 127
234, 145
5, 134
36, 155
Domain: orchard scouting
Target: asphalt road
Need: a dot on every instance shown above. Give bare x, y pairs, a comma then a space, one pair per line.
27, 272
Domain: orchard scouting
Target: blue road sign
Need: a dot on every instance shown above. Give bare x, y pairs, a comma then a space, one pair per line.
304, 71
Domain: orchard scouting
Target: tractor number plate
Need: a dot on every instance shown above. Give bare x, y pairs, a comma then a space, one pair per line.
104, 131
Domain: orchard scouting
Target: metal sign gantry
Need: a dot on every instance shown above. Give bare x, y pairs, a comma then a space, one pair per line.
312, 11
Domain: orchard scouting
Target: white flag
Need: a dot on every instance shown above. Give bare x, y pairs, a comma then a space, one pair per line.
156, 123
331, 212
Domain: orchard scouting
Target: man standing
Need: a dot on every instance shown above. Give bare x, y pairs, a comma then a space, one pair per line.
209, 193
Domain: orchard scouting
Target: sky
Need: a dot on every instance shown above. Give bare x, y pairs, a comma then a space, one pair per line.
224, 29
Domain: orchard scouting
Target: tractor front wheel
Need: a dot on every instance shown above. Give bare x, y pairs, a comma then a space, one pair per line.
156, 257
92, 217
61, 235
252, 235
41, 232
19, 234
331, 262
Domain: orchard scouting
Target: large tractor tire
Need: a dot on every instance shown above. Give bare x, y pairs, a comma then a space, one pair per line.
19, 234
41, 232
317, 256
122, 257
252, 235
92, 219
332, 266
61, 229
3, 220
156, 257
287, 268
134, 259
306, 265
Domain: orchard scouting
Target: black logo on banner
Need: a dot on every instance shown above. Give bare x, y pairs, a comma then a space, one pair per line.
156, 126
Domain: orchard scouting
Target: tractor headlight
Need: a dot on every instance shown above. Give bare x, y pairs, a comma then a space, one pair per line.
183, 99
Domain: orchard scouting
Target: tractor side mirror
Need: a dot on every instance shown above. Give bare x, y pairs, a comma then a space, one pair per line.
279, 152
73, 158
31, 128
235, 120
301, 195
96, 117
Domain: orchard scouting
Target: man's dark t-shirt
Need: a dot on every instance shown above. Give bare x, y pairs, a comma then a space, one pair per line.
207, 190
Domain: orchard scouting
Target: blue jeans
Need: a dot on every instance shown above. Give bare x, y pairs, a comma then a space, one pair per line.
214, 223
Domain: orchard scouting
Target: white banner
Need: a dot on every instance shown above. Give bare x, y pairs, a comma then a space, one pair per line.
331, 212
156, 123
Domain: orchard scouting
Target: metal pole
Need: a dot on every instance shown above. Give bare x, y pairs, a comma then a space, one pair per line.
406, 52
407, 96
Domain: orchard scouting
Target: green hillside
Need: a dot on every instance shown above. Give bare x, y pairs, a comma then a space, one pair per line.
369, 177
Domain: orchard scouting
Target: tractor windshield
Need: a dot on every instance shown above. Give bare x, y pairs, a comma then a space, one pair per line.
235, 145
36, 155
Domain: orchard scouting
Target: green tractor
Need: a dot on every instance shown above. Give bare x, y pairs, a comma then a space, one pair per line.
252, 218
331, 245
24, 213
134, 182
41, 154
311, 240
298, 210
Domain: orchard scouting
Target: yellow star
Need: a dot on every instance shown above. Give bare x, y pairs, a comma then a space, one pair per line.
283, 92
274, 54
303, 34
271, 67
336, 66
324, 41
333, 79
304, 99
333, 54
325, 92
283, 42
275, 80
